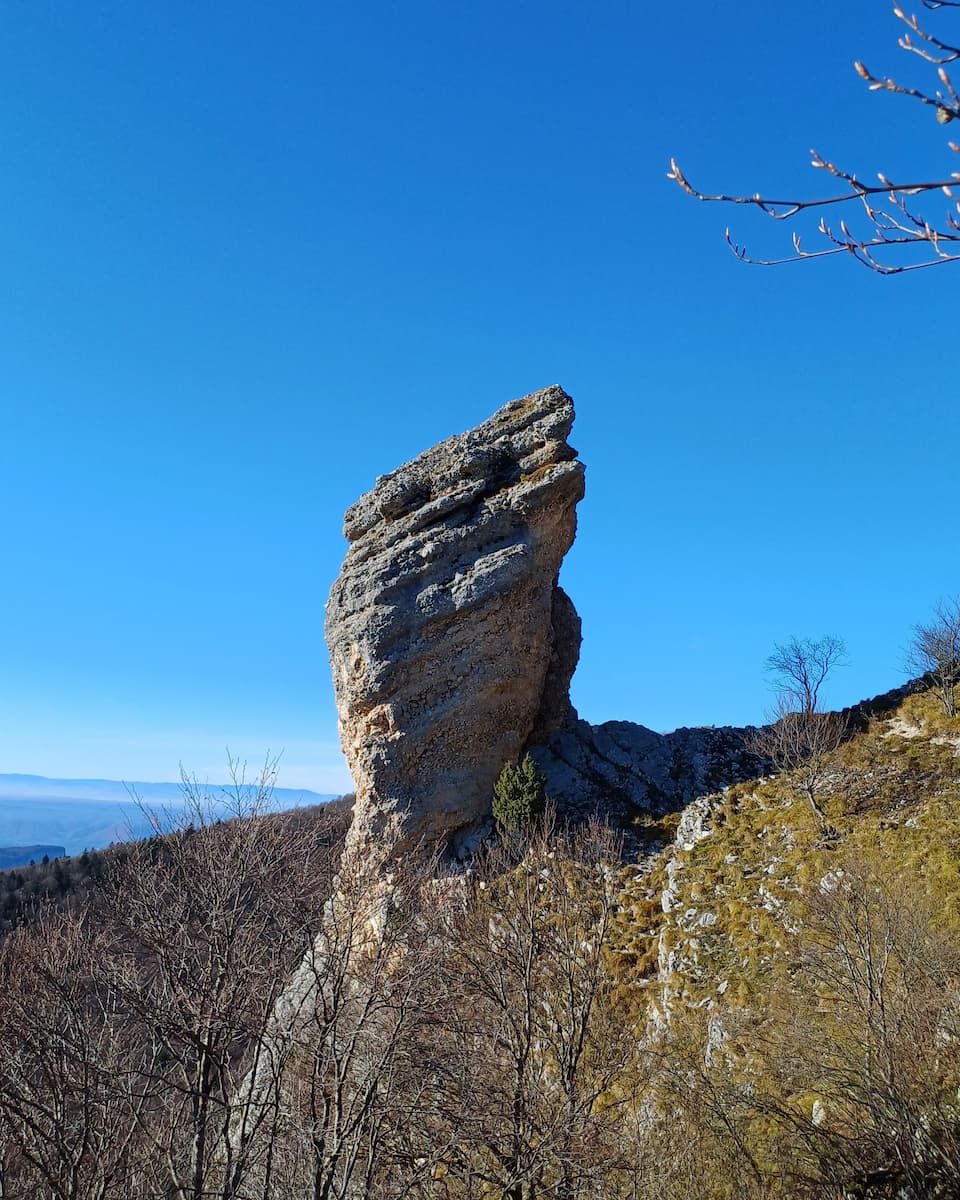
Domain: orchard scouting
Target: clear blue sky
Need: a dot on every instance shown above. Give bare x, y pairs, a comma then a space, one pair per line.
255, 254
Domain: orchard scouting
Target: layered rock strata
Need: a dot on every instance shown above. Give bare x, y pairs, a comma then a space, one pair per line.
450, 642
453, 647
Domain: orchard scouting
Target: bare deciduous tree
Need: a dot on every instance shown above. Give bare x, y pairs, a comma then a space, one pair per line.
70, 1117
233, 1021
336, 1060
894, 236
935, 650
844, 1083
212, 918
801, 743
799, 737
127, 1032
868, 1033
531, 1048
801, 666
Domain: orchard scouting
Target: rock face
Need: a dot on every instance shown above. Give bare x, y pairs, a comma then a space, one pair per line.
450, 642
453, 647
619, 767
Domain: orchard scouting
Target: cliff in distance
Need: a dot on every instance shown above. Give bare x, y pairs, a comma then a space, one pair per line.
452, 644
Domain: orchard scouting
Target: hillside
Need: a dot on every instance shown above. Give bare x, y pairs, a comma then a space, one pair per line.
807, 972
764, 1003
74, 881
715, 908
20, 856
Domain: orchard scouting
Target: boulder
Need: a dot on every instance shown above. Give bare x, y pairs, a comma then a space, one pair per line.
450, 642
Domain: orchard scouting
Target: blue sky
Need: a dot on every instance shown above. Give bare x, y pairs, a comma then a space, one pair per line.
255, 254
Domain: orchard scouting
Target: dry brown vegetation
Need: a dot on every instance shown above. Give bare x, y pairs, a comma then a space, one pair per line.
240, 1014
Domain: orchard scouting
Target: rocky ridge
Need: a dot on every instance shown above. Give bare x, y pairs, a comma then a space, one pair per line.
712, 917
619, 767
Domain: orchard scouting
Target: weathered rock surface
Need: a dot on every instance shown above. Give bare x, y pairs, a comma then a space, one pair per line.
618, 767
453, 647
450, 642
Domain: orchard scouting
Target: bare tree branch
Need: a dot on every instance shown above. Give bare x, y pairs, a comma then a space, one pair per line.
889, 234
801, 666
935, 650
801, 743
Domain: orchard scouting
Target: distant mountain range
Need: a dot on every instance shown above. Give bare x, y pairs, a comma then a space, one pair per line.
88, 814
22, 856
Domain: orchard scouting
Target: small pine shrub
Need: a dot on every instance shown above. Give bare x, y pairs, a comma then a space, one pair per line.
519, 795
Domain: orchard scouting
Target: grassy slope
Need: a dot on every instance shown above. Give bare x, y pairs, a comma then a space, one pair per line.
735, 874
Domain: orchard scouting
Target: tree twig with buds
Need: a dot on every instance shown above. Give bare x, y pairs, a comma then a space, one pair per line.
899, 226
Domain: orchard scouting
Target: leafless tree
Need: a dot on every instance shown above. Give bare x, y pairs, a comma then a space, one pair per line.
798, 737
844, 1082
212, 919
868, 1030
891, 231
69, 1112
215, 916
336, 1058
234, 1021
935, 650
801, 742
801, 666
525, 1065
127, 1031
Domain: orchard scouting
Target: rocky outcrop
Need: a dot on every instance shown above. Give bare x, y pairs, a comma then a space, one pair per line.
450, 642
453, 647
616, 768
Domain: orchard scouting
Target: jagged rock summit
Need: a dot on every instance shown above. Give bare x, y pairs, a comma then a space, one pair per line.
451, 644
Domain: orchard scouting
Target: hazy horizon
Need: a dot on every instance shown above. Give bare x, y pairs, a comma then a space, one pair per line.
88, 814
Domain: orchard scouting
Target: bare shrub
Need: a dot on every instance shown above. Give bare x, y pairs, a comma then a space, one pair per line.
935, 650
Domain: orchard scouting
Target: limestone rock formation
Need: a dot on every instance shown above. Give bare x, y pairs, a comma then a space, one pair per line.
450, 642
453, 647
